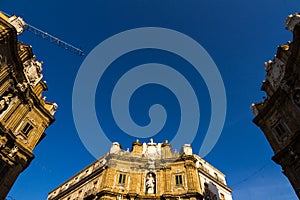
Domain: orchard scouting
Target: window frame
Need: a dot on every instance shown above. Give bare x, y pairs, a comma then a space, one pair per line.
281, 131
178, 180
27, 128
122, 179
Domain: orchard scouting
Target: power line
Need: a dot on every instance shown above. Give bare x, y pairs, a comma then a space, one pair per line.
251, 175
53, 39
20, 25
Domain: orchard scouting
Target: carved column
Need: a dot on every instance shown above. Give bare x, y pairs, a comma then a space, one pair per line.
191, 175
168, 178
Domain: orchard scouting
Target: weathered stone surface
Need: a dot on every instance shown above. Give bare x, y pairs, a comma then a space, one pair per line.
278, 115
149, 171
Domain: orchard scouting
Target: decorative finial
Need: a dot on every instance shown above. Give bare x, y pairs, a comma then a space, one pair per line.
151, 141
292, 21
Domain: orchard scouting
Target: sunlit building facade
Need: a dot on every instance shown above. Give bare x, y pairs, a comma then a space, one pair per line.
149, 171
278, 116
24, 112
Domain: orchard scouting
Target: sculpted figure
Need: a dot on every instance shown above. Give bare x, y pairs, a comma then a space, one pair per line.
150, 184
5, 101
3, 141
13, 151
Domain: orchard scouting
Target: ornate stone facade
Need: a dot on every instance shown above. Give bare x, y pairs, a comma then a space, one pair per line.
24, 114
278, 115
149, 171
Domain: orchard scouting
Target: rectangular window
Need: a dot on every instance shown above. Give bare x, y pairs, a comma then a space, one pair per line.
178, 179
27, 128
280, 130
122, 179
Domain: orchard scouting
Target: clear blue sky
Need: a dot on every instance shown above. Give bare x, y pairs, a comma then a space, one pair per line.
239, 35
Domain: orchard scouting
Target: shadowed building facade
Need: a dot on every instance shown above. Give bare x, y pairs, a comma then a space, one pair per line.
149, 171
24, 113
278, 116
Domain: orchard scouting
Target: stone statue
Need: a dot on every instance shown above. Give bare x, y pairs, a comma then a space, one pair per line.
13, 151
5, 101
3, 141
150, 184
208, 194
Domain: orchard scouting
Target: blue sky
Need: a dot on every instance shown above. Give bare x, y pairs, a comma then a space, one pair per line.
239, 35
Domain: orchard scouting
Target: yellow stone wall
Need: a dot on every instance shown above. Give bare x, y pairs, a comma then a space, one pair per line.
24, 114
135, 165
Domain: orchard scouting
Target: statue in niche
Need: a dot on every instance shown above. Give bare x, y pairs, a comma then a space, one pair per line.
3, 141
208, 194
13, 151
150, 183
4, 102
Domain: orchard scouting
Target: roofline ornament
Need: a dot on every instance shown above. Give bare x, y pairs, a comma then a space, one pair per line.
292, 21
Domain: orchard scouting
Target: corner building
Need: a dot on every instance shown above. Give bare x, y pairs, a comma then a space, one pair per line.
278, 116
24, 112
149, 171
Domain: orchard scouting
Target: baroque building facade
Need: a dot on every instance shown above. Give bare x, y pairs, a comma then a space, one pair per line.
149, 171
24, 112
278, 115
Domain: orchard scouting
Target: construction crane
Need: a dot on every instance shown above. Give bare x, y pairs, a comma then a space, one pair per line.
21, 26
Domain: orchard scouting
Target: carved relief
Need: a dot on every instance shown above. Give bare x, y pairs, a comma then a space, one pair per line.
20, 137
32, 71
152, 150
18, 23
275, 71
